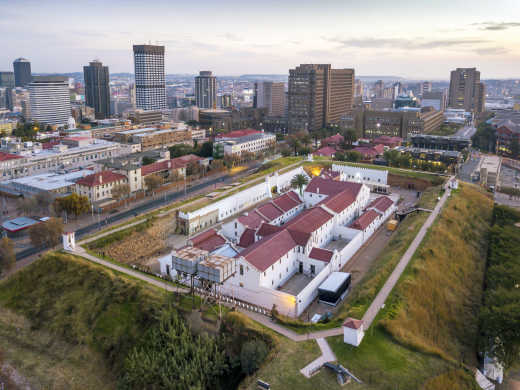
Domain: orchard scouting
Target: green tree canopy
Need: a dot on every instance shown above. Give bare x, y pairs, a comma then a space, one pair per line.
299, 181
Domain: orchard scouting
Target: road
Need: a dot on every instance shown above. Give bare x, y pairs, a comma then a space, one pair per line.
466, 132
160, 200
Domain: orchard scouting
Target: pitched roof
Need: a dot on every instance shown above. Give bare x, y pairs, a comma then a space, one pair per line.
208, 241
286, 202
382, 203
270, 211
330, 174
267, 229
325, 151
100, 178
307, 222
161, 166
8, 156
333, 139
331, 187
353, 323
252, 220
247, 238
339, 202
188, 158
364, 220
265, 252
321, 254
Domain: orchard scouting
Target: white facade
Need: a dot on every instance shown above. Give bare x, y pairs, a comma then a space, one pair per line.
50, 100
352, 335
252, 144
150, 86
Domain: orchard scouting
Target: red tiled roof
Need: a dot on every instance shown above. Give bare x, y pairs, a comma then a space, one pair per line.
100, 178
333, 139
8, 156
286, 202
321, 254
247, 238
382, 203
270, 211
161, 166
307, 222
208, 241
252, 220
267, 229
238, 133
331, 187
339, 202
265, 252
366, 151
293, 195
364, 220
329, 174
325, 151
189, 158
353, 323
386, 140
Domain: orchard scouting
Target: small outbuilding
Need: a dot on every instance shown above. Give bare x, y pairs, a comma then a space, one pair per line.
353, 331
334, 288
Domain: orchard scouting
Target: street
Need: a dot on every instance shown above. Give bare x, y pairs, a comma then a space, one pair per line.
466, 132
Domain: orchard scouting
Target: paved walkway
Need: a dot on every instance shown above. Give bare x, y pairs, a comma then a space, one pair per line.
380, 299
326, 356
79, 251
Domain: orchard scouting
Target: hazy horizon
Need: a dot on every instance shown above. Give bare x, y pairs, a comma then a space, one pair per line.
412, 40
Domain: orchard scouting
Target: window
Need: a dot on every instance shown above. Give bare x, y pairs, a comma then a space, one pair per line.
241, 269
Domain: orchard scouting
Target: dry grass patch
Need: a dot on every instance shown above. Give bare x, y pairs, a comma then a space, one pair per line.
436, 304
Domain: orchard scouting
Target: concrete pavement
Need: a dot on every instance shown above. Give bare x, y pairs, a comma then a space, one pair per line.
326, 356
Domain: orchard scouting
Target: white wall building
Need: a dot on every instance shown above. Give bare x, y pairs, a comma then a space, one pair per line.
49, 100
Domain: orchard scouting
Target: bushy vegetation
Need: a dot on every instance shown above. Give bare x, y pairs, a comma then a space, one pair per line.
500, 314
435, 306
453, 380
140, 333
119, 235
485, 138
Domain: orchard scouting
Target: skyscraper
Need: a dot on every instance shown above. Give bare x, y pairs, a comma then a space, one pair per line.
206, 90
97, 89
6, 80
379, 87
22, 72
49, 100
150, 87
318, 96
270, 95
466, 90
426, 86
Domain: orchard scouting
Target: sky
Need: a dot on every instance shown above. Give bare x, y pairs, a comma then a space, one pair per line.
421, 39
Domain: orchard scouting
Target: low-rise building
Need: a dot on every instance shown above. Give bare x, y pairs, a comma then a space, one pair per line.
490, 171
508, 134
248, 140
98, 186
439, 142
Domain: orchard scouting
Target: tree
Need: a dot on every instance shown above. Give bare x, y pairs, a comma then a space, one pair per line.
485, 137
293, 142
350, 136
299, 181
73, 204
7, 256
353, 156
120, 191
180, 150
170, 357
46, 234
252, 355
206, 149
148, 160
153, 181
192, 123
217, 165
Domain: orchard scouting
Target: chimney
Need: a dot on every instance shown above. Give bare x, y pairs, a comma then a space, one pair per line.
318, 190
100, 178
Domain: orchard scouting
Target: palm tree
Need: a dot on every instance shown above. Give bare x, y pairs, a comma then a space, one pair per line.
299, 181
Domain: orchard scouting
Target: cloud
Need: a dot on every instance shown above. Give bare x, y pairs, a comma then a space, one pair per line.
401, 43
491, 51
231, 37
496, 26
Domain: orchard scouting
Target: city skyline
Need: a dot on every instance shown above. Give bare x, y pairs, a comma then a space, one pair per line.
409, 40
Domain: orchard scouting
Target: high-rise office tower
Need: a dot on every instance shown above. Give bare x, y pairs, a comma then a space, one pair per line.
49, 100
270, 95
6, 80
97, 89
22, 72
206, 90
466, 90
379, 87
358, 88
426, 86
150, 87
318, 96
